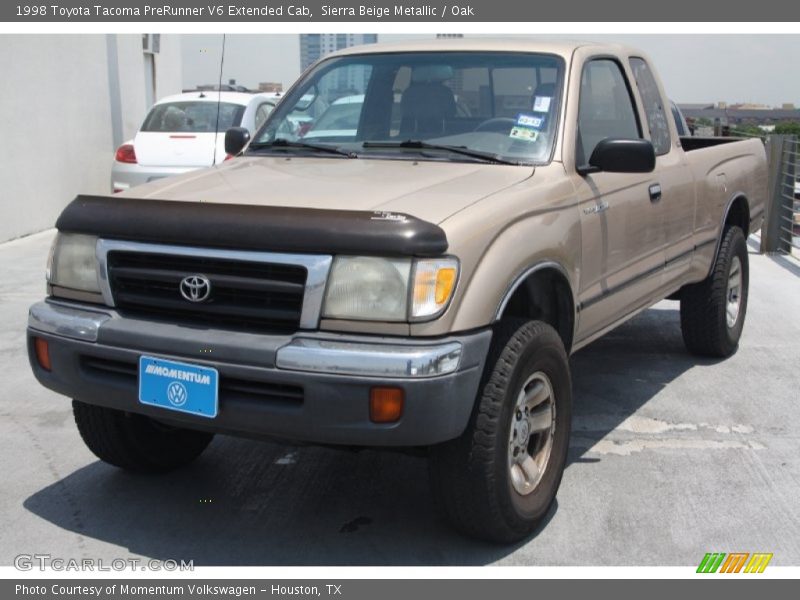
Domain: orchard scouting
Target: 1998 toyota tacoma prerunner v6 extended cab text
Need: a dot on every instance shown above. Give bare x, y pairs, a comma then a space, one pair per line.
416, 276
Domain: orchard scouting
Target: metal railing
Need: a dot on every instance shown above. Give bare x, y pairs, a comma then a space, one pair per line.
781, 230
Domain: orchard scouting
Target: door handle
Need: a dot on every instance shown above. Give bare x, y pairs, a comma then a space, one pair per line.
655, 192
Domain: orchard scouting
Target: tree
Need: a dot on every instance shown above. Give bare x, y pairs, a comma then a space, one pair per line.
791, 128
747, 131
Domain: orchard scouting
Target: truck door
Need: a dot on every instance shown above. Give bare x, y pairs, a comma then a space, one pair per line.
622, 226
678, 195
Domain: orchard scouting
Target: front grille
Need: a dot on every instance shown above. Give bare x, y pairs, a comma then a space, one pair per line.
230, 388
252, 295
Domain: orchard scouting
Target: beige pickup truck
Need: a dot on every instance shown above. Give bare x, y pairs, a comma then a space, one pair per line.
404, 255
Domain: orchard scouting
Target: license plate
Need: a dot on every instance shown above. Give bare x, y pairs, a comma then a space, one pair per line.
178, 386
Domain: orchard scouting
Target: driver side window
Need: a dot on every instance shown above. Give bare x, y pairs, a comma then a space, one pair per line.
605, 109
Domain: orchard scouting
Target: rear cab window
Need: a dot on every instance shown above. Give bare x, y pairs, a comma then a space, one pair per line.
654, 109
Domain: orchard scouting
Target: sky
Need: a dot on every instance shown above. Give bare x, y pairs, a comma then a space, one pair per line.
694, 67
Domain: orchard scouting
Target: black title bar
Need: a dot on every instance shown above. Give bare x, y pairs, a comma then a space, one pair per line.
265, 11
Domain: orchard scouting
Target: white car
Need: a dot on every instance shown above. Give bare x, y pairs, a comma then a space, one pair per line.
186, 132
340, 119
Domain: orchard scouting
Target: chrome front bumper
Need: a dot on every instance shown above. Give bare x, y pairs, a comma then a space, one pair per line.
312, 355
334, 374
66, 321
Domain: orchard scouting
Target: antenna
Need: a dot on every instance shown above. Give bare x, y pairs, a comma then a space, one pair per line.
219, 100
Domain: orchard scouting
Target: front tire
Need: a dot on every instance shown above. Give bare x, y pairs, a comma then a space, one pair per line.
499, 478
713, 310
135, 442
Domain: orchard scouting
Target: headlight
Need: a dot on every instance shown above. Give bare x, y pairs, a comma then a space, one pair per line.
365, 287
384, 289
73, 263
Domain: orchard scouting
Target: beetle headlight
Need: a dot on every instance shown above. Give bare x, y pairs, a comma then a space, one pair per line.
73, 263
387, 289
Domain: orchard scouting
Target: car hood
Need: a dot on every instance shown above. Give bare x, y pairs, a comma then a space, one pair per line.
429, 190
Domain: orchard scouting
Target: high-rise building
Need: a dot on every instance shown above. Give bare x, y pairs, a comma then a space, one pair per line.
314, 46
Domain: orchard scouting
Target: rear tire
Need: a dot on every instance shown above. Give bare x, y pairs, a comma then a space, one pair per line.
135, 442
483, 481
713, 310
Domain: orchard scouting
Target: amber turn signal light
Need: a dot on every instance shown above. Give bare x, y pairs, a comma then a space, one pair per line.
42, 353
385, 404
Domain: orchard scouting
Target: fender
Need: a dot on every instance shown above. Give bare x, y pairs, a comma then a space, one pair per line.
538, 266
736, 196
567, 330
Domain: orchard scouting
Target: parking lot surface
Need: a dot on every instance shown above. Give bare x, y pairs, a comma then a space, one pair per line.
671, 457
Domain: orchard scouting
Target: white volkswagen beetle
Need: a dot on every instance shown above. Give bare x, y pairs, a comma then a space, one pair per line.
186, 132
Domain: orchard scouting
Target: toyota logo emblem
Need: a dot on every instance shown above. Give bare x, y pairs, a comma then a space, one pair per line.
195, 288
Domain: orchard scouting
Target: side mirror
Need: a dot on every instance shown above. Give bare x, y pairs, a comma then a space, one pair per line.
236, 138
616, 155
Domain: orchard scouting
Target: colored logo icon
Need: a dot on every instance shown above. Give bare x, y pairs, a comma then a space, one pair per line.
736, 562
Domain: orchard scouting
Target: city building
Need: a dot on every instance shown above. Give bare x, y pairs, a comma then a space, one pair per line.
272, 87
741, 114
314, 46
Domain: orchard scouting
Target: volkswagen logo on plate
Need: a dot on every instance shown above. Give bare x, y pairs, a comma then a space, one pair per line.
177, 394
195, 288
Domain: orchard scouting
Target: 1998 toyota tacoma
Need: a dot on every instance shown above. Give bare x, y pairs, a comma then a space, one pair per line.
414, 274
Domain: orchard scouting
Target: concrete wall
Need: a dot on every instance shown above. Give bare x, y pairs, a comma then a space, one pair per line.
68, 101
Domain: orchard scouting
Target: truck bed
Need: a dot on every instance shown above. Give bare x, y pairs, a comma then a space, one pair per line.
724, 169
698, 143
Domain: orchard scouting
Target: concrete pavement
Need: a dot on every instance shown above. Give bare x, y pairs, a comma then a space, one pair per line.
671, 457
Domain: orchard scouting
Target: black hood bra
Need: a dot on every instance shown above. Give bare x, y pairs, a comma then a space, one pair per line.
252, 227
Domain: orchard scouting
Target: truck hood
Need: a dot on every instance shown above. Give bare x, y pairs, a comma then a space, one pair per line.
428, 190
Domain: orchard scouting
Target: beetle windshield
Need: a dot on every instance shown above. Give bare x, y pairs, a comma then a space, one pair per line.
490, 106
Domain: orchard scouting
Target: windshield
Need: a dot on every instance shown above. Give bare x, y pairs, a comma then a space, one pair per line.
491, 104
193, 117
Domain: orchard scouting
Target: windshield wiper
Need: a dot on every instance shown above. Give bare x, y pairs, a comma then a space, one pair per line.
462, 150
283, 143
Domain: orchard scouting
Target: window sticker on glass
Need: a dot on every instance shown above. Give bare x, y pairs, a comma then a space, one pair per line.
528, 120
527, 127
541, 103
